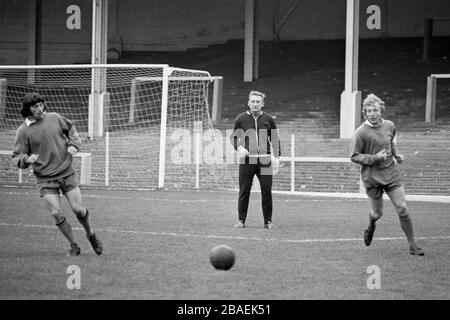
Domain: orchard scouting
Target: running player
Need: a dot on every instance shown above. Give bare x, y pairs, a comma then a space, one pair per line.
48, 141
374, 147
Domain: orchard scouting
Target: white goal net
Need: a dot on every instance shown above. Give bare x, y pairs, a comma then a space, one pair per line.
138, 123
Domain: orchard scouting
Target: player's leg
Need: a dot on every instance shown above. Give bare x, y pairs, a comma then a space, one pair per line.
53, 204
75, 201
246, 173
71, 190
265, 181
397, 197
375, 195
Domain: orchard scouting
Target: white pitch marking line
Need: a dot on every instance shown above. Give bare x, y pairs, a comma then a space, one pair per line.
347, 197
210, 236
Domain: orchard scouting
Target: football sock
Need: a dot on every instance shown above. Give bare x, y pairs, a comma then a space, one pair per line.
86, 224
407, 227
66, 230
372, 219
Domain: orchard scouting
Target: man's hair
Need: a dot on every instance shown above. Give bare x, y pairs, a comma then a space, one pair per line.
373, 100
256, 93
30, 99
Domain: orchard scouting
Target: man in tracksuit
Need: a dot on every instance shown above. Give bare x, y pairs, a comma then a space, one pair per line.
257, 142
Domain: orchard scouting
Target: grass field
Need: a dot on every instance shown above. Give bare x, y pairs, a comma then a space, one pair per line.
157, 247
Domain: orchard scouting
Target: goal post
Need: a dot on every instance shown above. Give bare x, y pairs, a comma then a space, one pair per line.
97, 102
430, 102
163, 129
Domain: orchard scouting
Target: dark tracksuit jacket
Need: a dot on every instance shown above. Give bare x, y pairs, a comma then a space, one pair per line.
256, 135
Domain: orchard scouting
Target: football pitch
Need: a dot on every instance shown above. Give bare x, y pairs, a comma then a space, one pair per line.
157, 245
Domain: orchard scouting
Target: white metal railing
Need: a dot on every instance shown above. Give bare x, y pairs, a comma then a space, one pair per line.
293, 159
85, 166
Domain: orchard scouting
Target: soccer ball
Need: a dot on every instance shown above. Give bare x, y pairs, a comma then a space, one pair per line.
222, 257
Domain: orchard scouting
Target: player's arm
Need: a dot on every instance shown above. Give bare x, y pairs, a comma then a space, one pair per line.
357, 155
20, 152
234, 137
275, 146
275, 140
395, 152
74, 144
237, 138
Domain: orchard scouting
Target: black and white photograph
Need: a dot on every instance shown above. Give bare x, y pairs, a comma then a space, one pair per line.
225, 158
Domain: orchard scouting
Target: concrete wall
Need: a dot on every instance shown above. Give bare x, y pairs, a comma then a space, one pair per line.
325, 19
171, 24
58, 44
13, 31
162, 25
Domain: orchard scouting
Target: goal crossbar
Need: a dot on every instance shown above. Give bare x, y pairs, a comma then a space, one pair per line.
84, 66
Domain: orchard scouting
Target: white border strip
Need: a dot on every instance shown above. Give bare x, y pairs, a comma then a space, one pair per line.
422, 198
335, 195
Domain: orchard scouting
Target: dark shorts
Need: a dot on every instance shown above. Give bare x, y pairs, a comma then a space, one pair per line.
376, 191
64, 185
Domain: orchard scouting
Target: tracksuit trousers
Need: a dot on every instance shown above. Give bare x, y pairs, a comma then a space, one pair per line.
246, 174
